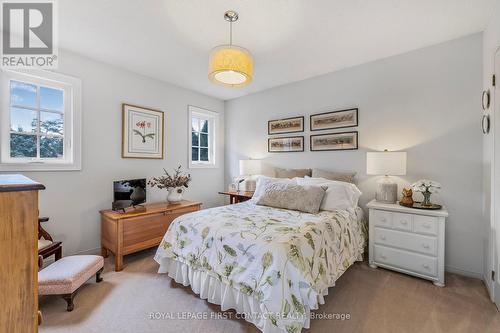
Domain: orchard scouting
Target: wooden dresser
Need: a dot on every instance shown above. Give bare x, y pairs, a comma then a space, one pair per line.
18, 254
139, 228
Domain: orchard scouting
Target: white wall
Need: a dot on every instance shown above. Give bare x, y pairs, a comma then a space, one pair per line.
491, 42
425, 102
73, 198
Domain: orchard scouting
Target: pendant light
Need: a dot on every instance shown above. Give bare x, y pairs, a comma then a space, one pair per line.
230, 65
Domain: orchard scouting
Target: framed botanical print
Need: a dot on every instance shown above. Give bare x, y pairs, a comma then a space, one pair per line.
334, 141
335, 119
142, 132
286, 144
287, 125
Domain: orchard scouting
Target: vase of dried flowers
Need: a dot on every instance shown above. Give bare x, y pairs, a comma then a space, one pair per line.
175, 184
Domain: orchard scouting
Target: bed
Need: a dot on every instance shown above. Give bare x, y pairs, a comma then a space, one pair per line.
272, 265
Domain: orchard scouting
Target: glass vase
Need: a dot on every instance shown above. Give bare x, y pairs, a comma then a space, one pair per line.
427, 198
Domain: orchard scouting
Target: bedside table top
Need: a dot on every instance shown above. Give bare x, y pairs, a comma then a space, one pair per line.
244, 194
402, 209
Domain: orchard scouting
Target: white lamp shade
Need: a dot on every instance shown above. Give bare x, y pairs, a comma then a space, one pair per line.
390, 163
250, 167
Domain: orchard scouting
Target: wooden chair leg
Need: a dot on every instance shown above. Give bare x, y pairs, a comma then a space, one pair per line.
98, 277
69, 299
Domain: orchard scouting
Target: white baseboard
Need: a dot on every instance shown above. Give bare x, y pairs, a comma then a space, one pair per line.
51, 260
459, 271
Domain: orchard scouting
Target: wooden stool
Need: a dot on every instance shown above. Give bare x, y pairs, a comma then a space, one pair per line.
66, 275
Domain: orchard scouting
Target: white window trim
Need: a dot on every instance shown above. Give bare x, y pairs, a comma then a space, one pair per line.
213, 118
72, 138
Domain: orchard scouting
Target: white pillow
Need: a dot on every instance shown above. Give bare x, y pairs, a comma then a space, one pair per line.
339, 195
263, 181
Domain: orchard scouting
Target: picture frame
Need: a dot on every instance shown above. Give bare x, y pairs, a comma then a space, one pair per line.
334, 141
334, 119
285, 125
290, 144
142, 132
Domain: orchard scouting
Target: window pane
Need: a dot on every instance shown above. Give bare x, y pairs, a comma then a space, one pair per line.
22, 145
204, 154
195, 125
203, 140
22, 94
194, 139
51, 123
51, 99
22, 120
51, 147
204, 126
194, 154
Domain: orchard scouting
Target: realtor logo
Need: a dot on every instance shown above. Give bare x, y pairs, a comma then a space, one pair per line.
29, 31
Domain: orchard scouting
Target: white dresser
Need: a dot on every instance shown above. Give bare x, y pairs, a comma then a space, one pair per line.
407, 240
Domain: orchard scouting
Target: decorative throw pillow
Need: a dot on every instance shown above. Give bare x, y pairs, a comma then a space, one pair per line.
291, 196
333, 175
338, 196
292, 173
263, 181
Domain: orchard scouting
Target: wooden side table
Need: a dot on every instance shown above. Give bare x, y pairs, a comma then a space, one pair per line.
237, 197
142, 228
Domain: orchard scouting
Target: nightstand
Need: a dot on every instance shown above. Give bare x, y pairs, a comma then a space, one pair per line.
407, 240
238, 196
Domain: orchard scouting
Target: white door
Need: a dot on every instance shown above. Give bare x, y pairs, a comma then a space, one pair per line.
495, 227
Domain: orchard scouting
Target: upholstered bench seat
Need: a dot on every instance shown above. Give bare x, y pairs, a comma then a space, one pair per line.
66, 275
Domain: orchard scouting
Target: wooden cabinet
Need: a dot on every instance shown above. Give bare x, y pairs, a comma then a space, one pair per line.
139, 229
18, 254
407, 240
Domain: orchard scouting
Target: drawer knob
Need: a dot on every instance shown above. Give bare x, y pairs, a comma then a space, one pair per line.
382, 237
383, 219
427, 226
383, 257
404, 222
425, 246
425, 266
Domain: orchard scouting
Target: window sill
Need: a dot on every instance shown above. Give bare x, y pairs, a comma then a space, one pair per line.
202, 166
40, 167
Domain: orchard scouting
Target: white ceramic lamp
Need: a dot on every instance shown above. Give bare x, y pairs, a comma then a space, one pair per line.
249, 168
386, 163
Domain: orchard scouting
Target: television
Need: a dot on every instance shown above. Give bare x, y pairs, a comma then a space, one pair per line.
129, 193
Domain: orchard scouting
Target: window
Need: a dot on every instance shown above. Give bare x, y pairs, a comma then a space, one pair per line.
40, 122
202, 129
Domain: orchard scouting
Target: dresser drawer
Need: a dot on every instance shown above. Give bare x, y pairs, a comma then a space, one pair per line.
425, 225
404, 240
414, 262
401, 221
381, 218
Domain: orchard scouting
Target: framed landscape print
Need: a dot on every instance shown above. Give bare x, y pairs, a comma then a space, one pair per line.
334, 141
287, 125
142, 132
335, 119
284, 145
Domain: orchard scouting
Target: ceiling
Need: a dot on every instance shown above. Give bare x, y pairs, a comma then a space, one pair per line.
291, 40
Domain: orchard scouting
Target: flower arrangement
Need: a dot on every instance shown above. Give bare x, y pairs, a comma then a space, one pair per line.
426, 187
177, 179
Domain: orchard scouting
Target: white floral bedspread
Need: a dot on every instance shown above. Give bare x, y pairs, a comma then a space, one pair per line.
283, 258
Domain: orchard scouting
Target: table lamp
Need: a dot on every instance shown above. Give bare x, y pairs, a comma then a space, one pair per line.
386, 163
249, 168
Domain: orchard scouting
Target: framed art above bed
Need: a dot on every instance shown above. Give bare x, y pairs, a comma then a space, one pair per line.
334, 141
286, 125
334, 119
285, 144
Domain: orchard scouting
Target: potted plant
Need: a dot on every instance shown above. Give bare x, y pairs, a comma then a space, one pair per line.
175, 184
426, 187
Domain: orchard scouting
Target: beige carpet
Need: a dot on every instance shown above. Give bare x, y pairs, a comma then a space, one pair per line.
377, 300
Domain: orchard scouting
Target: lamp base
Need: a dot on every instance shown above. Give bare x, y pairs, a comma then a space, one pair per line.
387, 191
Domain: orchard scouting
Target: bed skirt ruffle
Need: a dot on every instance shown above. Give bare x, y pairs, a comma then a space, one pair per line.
213, 290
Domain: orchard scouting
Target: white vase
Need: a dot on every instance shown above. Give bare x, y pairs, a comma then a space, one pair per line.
175, 194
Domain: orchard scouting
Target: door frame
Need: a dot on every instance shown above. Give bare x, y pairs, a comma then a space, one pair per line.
494, 234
